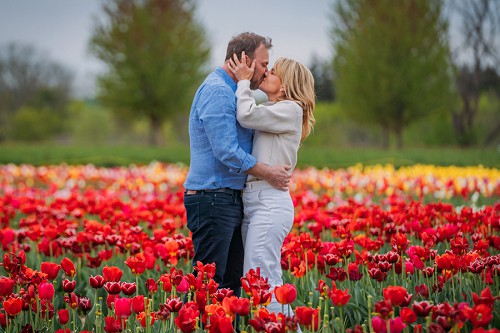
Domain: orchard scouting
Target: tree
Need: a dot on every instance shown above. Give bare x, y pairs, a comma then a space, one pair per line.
155, 52
391, 62
28, 79
480, 25
323, 81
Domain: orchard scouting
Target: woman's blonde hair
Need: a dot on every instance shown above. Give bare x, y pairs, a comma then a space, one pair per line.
298, 82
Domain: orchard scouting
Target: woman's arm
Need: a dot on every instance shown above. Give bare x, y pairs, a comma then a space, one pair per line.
280, 117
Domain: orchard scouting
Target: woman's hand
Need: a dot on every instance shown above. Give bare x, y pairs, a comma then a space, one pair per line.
240, 68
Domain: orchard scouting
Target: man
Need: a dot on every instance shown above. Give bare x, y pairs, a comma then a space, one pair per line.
220, 161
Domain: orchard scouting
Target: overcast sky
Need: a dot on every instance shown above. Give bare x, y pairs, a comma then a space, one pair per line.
61, 29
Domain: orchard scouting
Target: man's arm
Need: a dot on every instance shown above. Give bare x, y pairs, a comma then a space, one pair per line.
277, 176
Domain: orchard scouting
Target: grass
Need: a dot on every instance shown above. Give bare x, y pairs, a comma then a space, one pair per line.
331, 157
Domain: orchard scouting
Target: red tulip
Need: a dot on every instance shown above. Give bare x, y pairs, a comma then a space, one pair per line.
6, 286
46, 291
399, 242
64, 330
286, 293
353, 272
383, 309
422, 290
408, 316
68, 267
253, 280
68, 286
111, 273
480, 315
97, 281
263, 297
136, 264
13, 262
166, 282
396, 295
222, 293
186, 319
307, 317
183, 287
163, 313
240, 306
71, 300
138, 303
110, 300
84, 305
51, 269
339, 297
261, 319
113, 288
323, 288
392, 257
151, 285
128, 288
63, 315
207, 271
395, 325
13, 306
142, 317
113, 325
422, 309
123, 308
221, 323
485, 297
173, 304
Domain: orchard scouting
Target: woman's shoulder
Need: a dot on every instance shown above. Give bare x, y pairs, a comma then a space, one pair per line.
290, 105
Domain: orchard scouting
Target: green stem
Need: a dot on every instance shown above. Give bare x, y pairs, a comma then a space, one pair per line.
342, 319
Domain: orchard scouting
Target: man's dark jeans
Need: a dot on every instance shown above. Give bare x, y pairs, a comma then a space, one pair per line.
214, 219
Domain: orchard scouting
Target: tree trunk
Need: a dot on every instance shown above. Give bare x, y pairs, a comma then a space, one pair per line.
385, 137
155, 133
492, 135
399, 137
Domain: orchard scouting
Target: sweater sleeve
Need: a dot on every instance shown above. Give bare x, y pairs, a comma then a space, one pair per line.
280, 117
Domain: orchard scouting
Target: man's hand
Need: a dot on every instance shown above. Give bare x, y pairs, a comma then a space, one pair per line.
278, 175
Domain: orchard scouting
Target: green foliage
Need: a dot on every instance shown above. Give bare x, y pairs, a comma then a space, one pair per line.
323, 80
155, 52
90, 123
335, 128
317, 156
487, 125
32, 124
391, 62
34, 92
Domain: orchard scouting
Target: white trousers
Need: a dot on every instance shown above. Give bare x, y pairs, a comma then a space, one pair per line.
268, 218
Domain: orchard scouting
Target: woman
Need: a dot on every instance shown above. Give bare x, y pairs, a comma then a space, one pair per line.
280, 125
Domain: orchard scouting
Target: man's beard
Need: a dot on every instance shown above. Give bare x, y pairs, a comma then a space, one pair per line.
254, 84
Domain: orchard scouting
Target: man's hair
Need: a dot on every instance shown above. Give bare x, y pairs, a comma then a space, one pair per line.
248, 42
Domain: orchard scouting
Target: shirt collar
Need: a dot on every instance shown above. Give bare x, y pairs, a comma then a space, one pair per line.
223, 74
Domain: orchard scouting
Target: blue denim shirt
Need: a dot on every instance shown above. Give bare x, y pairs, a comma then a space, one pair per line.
220, 147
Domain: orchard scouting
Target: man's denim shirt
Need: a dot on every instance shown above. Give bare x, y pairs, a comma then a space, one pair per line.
220, 147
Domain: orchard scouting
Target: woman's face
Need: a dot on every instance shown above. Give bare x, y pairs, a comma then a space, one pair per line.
272, 86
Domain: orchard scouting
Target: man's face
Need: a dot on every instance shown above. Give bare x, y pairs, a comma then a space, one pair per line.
261, 56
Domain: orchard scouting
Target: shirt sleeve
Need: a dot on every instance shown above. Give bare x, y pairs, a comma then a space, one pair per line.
219, 121
277, 118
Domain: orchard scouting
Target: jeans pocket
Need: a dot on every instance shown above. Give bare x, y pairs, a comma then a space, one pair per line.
193, 215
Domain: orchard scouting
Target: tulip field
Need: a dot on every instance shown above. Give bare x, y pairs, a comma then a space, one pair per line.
373, 249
